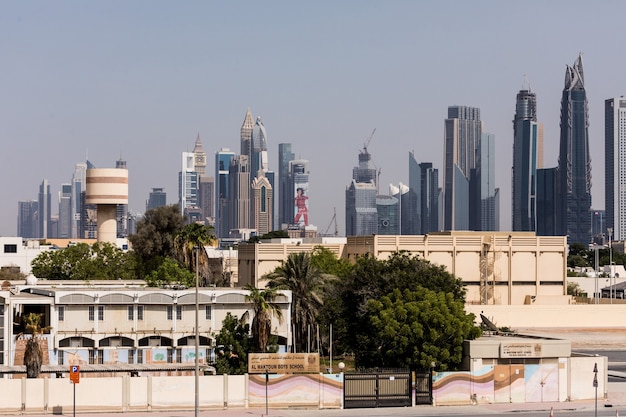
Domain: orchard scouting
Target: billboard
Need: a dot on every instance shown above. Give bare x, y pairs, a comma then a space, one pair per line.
301, 203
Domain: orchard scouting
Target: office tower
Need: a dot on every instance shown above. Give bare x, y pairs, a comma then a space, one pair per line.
361, 214
411, 218
258, 152
64, 227
363, 172
298, 192
45, 211
262, 198
574, 167
246, 134
546, 202
483, 194
403, 193
121, 211
200, 157
598, 226
187, 183
462, 133
388, 211
27, 221
206, 191
429, 197
78, 186
285, 196
239, 214
156, 198
614, 166
223, 159
525, 154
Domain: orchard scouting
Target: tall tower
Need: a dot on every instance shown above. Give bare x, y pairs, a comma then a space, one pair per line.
78, 186
411, 218
361, 212
65, 212
525, 164
107, 188
27, 219
614, 162
262, 198
200, 157
574, 167
285, 197
239, 213
462, 133
258, 153
187, 183
487, 204
122, 209
223, 160
157, 198
45, 210
429, 198
246, 134
299, 192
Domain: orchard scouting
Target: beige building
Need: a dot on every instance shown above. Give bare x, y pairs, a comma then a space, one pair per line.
496, 267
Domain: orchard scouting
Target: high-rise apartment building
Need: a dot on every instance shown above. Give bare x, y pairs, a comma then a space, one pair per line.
64, 226
206, 191
412, 217
299, 192
156, 198
462, 134
246, 134
285, 197
524, 171
239, 208
388, 212
574, 167
223, 159
361, 212
615, 166
483, 213
430, 194
27, 221
45, 209
187, 183
262, 204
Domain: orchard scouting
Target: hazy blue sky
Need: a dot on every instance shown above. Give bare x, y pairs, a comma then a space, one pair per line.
140, 79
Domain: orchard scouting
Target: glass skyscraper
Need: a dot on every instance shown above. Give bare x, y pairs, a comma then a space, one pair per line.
524, 171
574, 167
615, 166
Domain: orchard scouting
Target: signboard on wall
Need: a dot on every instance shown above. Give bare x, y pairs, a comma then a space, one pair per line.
520, 350
283, 363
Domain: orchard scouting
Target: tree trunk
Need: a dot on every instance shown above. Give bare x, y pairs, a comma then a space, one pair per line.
33, 357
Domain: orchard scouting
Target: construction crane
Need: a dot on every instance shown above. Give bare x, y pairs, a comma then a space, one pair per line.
369, 139
333, 220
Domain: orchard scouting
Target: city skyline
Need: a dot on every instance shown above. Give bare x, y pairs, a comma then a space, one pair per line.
124, 81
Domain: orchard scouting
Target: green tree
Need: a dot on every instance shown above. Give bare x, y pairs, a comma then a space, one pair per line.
414, 328
232, 345
170, 273
328, 263
373, 279
306, 284
190, 243
84, 262
33, 355
154, 239
264, 308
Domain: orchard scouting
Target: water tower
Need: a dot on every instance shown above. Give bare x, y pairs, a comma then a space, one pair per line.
106, 188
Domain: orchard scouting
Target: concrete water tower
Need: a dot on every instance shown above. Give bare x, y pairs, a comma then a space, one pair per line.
106, 188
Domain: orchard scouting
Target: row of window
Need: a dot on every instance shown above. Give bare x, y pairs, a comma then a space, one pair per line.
131, 312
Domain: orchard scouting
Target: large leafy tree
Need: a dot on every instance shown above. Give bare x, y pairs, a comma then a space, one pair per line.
307, 284
154, 239
415, 328
264, 308
170, 273
373, 279
232, 345
83, 262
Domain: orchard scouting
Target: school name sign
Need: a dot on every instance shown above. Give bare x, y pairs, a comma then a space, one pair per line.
283, 363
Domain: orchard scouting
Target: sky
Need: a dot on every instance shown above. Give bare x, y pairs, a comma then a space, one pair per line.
140, 80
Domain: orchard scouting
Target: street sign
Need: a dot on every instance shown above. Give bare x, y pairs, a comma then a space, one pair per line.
75, 374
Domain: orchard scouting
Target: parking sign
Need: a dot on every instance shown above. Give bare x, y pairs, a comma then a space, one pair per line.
75, 374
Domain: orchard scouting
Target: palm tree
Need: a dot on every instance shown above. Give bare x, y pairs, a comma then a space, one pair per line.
193, 236
33, 355
306, 284
264, 308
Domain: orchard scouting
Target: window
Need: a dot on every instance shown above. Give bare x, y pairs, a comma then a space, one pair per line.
61, 359
179, 355
179, 312
91, 313
207, 312
131, 312
139, 312
10, 248
139, 356
61, 314
169, 312
100, 313
131, 356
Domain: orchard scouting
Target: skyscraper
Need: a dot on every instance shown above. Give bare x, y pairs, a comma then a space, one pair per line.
206, 191
258, 152
121, 211
462, 133
239, 213
262, 198
574, 167
78, 186
223, 160
285, 198
246, 134
388, 211
486, 178
614, 163
65, 212
299, 192
524, 171
361, 213
27, 221
157, 198
412, 217
187, 183
200, 157
45, 210
429, 198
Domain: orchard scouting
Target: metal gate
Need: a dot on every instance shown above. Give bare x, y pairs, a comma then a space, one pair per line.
377, 388
423, 388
